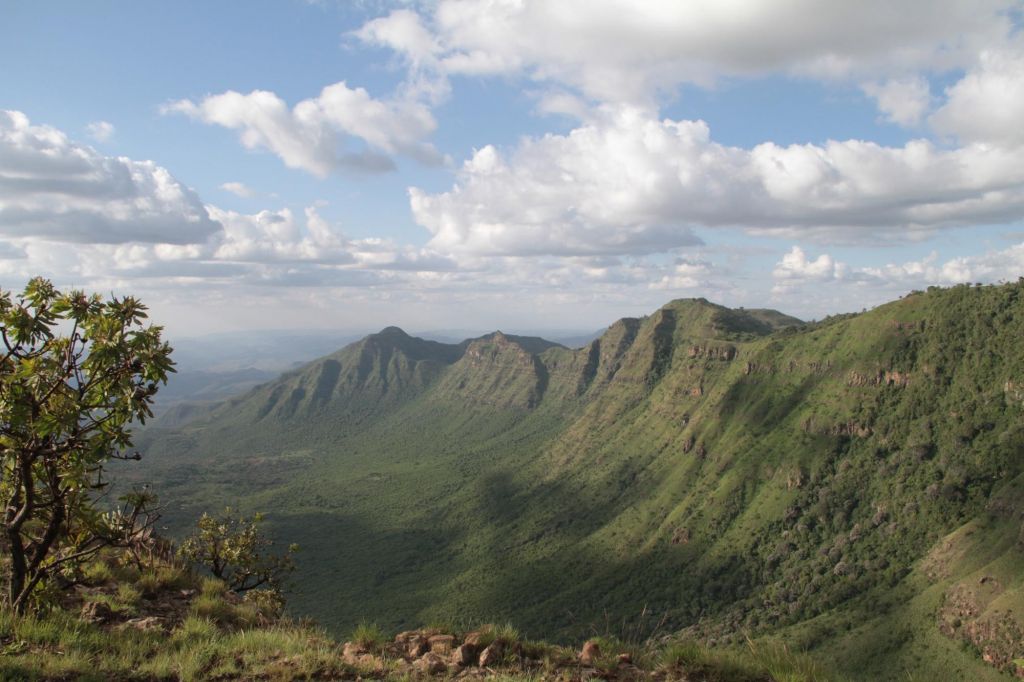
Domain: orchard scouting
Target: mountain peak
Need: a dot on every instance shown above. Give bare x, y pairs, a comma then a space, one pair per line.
533, 345
700, 317
392, 331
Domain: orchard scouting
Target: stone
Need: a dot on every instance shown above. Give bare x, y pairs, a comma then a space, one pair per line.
474, 638
351, 652
370, 662
464, 655
491, 655
96, 612
417, 646
431, 663
625, 658
149, 623
590, 653
441, 644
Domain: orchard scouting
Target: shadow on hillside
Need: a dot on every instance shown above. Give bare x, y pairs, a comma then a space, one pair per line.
548, 570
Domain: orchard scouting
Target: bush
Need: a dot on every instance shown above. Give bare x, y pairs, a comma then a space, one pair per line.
235, 550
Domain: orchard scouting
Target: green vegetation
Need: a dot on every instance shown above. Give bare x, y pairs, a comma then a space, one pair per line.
108, 629
75, 372
236, 552
194, 628
851, 487
368, 635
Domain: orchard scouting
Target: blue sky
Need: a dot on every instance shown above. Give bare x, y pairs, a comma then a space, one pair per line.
515, 164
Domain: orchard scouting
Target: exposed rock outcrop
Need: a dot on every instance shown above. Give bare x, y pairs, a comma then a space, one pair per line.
681, 536
879, 378
590, 653
723, 353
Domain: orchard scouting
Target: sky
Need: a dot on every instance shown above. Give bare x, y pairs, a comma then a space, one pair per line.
512, 164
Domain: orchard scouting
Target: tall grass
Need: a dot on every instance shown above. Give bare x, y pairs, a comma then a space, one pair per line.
368, 635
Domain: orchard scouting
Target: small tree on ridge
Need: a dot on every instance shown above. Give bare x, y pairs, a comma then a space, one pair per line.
75, 372
235, 550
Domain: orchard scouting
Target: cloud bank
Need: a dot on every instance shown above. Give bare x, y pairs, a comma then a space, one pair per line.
628, 182
54, 188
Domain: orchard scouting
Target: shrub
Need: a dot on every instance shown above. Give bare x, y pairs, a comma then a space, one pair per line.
368, 635
235, 550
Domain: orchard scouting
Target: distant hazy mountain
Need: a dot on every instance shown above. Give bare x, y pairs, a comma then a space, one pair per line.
218, 366
853, 485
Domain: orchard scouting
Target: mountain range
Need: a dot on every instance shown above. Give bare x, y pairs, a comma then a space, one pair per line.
853, 486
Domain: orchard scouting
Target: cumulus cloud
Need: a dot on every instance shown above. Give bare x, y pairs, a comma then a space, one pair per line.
403, 31
987, 105
685, 274
903, 101
264, 249
74, 215
312, 135
54, 188
239, 189
993, 266
616, 50
627, 182
101, 131
798, 277
796, 269
270, 236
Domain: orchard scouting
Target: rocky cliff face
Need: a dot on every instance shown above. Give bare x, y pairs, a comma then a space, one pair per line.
499, 371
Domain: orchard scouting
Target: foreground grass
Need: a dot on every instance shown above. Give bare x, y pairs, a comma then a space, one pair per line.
208, 634
107, 630
59, 646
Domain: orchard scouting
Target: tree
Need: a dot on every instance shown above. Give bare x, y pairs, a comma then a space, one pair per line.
235, 550
75, 372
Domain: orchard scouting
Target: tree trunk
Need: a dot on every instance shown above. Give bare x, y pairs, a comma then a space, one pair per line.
16, 574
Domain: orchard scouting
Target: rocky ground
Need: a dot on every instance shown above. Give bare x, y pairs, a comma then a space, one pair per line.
481, 654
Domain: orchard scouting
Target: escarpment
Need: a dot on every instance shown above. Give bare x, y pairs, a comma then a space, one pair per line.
739, 470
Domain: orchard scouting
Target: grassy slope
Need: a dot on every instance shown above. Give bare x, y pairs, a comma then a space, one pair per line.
732, 479
162, 622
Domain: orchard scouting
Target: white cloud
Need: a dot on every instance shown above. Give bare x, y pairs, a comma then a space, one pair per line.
239, 189
987, 105
312, 135
83, 219
271, 236
403, 31
53, 188
626, 182
559, 102
618, 50
993, 266
825, 285
685, 275
101, 131
796, 269
904, 101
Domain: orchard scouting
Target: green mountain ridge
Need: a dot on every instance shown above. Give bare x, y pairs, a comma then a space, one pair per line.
844, 484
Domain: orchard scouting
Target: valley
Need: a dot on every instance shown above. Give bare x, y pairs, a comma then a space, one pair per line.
854, 486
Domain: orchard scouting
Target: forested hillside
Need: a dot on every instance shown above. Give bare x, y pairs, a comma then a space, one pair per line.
854, 485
